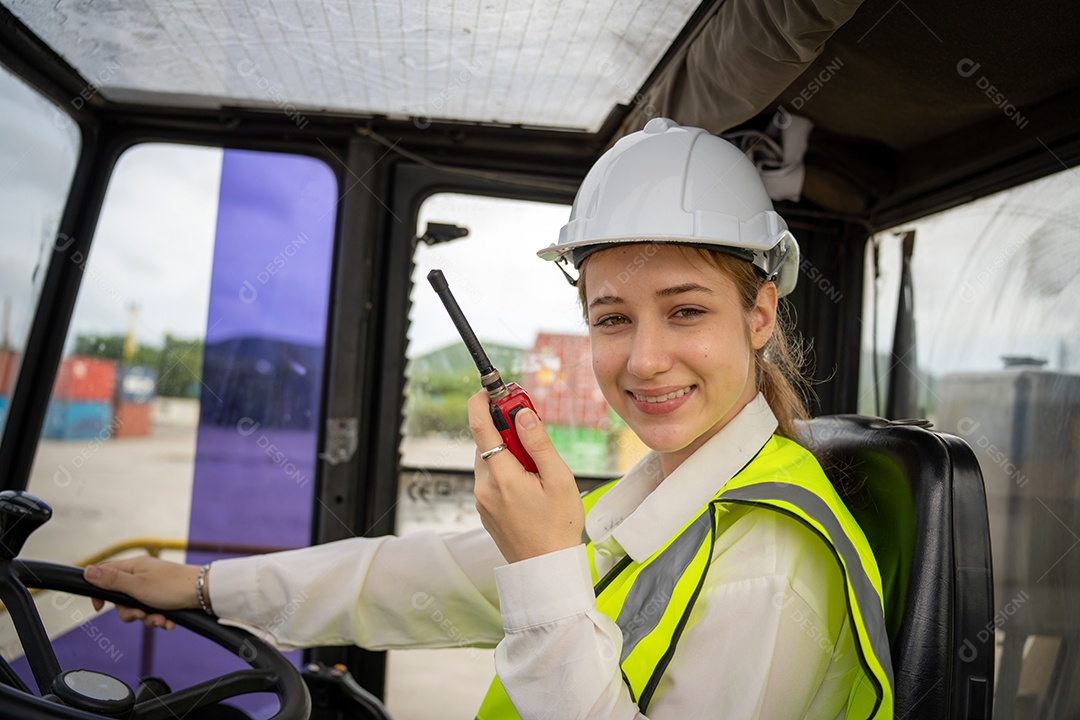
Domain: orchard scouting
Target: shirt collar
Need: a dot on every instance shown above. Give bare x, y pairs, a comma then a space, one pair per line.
641, 513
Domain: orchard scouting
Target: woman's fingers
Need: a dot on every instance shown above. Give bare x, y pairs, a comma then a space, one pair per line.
155, 620
481, 424
118, 576
536, 441
156, 582
525, 514
124, 576
487, 436
128, 614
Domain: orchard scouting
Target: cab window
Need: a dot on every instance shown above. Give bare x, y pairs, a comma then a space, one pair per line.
184, 420
37, 161
996, 361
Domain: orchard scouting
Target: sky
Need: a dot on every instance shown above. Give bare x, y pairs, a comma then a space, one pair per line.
154, 245
38, 147
506, 292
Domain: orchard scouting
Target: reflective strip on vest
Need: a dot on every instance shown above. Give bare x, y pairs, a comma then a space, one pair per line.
868, 599
657, 580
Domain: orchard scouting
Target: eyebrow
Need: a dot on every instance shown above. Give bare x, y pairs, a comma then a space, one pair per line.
683, 289
605, 300
665, 293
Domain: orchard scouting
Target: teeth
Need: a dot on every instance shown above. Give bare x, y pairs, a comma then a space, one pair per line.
662, 398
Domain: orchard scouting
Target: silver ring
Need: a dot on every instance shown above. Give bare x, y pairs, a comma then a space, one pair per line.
488, 453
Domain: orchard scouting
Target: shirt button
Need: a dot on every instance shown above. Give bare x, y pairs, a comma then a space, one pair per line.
603, 552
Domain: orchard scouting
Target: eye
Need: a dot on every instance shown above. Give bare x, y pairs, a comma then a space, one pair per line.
610, 321
688, 313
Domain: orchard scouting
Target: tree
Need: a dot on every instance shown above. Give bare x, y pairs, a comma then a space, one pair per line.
180, 367
438, 403
111, 347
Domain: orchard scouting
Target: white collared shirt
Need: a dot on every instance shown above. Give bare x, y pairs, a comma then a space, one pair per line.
644, 510
763, 640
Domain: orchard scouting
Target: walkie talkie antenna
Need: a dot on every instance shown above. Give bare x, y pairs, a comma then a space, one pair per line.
489, 376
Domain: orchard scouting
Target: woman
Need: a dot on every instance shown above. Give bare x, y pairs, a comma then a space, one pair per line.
721, 577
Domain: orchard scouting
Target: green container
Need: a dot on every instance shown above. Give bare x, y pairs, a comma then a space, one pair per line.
586, 450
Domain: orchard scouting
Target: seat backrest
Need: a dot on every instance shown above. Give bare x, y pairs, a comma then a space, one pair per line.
918, 496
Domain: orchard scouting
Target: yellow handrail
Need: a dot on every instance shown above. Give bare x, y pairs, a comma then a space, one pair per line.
154, 546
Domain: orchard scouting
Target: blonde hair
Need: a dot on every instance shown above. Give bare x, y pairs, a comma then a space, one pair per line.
778, 365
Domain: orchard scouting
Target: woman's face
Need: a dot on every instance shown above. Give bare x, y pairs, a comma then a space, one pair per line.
672, 348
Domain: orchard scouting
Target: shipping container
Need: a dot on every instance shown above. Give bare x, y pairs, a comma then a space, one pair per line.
561, 383
86, 379
135, 385
275, 381
1021, 425
585, 450
75, 420
132, 420
628, 449
9, 367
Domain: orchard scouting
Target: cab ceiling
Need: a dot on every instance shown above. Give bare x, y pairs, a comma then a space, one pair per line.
916, 104
557, 65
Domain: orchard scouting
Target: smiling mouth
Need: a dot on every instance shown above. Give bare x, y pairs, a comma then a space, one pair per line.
661, 398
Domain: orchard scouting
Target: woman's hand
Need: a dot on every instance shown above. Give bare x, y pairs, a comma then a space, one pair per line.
158, 583
526, 514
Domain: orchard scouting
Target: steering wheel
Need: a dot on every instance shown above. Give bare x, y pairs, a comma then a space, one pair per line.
91, 695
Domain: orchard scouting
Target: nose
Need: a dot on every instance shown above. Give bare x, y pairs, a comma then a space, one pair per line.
650, 353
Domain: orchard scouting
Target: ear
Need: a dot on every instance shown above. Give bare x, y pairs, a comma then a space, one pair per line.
763, 315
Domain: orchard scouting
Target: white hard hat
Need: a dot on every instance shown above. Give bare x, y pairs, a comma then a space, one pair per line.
682, 185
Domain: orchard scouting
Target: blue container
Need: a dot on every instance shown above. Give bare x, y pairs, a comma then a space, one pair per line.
136, 385
78, 421
3, 410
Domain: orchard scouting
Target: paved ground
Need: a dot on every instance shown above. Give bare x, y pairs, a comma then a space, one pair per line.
94, 488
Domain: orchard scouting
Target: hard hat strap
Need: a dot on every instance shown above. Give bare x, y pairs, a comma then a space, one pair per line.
774, 272
569, 278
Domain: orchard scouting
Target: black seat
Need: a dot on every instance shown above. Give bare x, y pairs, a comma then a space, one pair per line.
919, 497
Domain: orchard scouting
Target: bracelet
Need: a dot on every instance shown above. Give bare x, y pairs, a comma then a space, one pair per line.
200, 585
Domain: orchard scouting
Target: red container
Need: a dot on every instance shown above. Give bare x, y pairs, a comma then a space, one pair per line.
86, 378
560, 381
132, 420
9, 366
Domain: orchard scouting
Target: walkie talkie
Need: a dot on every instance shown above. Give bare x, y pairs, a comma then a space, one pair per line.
506, 398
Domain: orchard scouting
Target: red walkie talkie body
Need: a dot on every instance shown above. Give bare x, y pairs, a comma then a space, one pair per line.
506, 398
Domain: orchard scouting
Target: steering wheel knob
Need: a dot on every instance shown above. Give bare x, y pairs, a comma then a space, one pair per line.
20, 515
94, 692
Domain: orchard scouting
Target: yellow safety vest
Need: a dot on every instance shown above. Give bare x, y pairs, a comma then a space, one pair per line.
651, 601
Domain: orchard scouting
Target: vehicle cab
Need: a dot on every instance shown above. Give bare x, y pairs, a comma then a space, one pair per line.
216, 338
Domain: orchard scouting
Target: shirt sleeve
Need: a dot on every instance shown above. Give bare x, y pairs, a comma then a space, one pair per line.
424, 590
560, 655
766, 639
